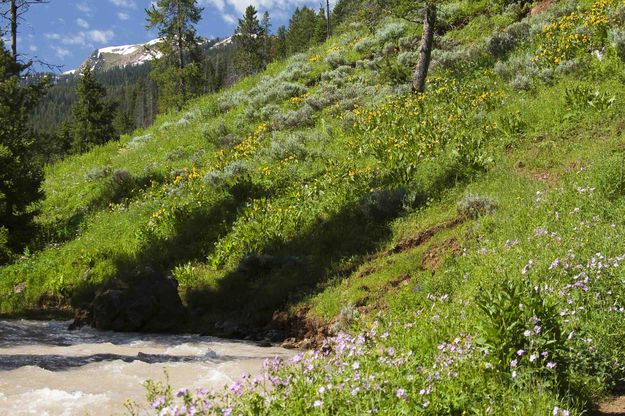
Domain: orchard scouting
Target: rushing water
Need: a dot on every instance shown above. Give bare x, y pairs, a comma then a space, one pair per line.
48, 370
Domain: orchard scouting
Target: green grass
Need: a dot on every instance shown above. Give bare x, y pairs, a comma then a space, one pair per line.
353, 219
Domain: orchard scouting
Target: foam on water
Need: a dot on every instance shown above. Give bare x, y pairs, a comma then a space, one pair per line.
47, 370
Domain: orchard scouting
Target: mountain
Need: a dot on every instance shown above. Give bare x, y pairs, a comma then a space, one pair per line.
124, 71
111, 57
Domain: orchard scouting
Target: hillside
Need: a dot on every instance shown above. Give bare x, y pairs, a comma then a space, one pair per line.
462, 248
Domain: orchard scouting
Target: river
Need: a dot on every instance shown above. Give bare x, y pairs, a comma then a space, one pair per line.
47, 370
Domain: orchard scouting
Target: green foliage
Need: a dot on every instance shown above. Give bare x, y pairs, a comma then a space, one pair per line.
20, 175
250, 39
177, 71
92, 115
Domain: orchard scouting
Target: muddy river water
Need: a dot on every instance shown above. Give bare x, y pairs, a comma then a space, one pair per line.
47, 370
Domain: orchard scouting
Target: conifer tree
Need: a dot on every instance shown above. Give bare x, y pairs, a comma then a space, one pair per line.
92, 114
249, 41
20, 175
321, 27
265, 24
178, 71
280, 48
302, 27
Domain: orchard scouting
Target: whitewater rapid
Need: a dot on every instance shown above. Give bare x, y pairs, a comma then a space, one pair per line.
46, 370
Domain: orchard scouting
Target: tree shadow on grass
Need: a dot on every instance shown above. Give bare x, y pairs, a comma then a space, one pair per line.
193, 231
287, 272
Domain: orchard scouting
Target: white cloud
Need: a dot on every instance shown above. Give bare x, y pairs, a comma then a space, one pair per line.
129, 4
101, 36
61, 52
274, 6
218, 4
33, 48
123, 16
83, 7
228, 18
82, 23
52, 36
75, 39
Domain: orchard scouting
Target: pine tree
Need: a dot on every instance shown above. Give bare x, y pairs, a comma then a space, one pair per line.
280, 49
20, 175
265, 24
92, 114
321, 27
178, 71
301, 30
249, 41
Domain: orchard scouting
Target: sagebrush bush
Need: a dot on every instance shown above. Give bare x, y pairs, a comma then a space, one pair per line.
98, 173
226, 175
230, 100
617, 39
292, 119
475, 206
336, 59
138, 141
176, 154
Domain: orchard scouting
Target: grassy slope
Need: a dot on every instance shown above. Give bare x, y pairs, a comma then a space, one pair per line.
433, 290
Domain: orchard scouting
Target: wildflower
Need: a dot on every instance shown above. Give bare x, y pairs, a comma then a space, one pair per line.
551, 365
527, 333
318, 403
321, 390
513, 363
401, 393
356, 365
520, 353
513, 373
533, 358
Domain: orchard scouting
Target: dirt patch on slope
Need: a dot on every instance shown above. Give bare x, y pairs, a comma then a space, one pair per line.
612, 407
541, 7
433, 258
424, 236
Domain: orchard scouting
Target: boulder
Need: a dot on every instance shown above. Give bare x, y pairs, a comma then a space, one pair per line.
147, 301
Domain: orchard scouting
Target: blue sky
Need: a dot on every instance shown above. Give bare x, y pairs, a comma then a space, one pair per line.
65, 32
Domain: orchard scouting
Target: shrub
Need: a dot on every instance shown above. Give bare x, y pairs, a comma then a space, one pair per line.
226, 175
336, 59
138, 141
475, 206
521, 82
296, 71
98, 173
176, 154
121, 177
390, 32
408, 59
293, 119
617, 40
458, 59
582, 97
521, 328
272, 90
214, 131
166, 125
5, 252
383, 204
500, 44
230, 100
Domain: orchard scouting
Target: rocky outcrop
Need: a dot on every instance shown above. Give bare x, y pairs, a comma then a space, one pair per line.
147, 301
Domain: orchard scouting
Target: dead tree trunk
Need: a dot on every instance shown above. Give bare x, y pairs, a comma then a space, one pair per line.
13, 19
328, 19
425, 52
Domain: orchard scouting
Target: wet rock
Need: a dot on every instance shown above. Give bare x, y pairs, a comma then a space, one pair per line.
148, 301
